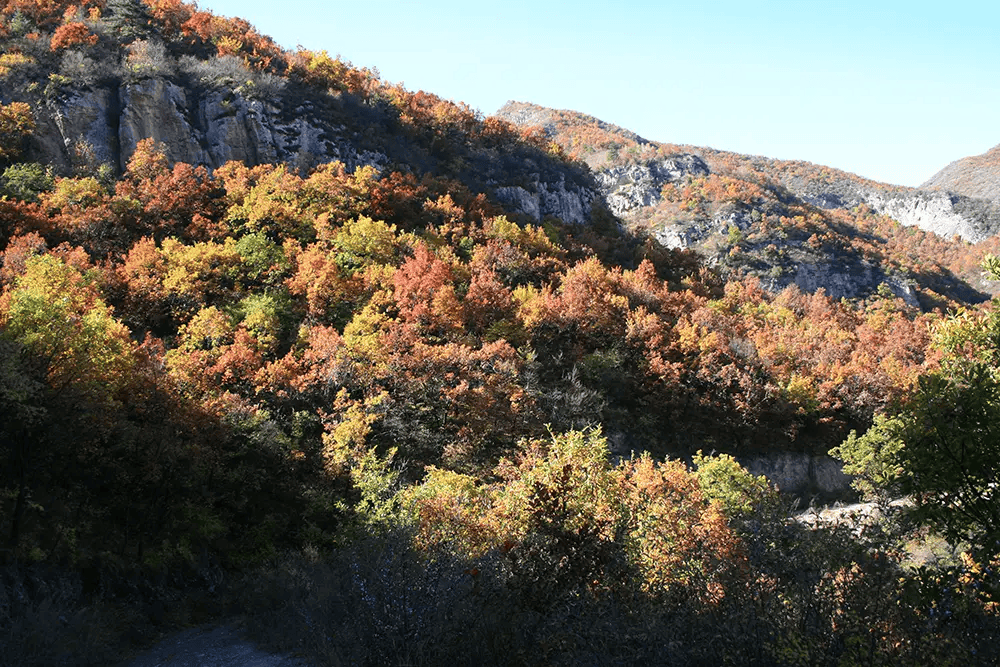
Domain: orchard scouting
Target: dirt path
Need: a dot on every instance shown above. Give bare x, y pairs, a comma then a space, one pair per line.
211, 647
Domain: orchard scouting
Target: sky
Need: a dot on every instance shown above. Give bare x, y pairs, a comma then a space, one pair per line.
892, 91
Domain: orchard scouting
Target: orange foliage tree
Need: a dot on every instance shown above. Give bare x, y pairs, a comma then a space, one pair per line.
69, 35
16, 123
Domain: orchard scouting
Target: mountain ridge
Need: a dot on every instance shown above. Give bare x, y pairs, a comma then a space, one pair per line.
963, 211
975, 176
710, 200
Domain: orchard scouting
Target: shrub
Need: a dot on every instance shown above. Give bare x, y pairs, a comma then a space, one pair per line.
16, 124
231, 72
86, 70
26, 181
147, 58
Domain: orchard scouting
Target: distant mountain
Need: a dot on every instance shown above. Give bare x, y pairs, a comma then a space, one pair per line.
974, 176
787, 222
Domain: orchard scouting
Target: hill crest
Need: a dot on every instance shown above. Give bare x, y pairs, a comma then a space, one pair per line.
974, 176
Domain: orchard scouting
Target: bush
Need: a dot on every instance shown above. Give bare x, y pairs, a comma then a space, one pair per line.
85, 70
16, 124
46, 619
145, 59
26, 181
231, 72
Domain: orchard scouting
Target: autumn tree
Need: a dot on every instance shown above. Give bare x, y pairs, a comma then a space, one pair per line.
154, 198
425, 293
57, 316
940, 446
70, 35
16, 124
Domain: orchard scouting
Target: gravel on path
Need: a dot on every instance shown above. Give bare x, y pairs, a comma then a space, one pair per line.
211, 647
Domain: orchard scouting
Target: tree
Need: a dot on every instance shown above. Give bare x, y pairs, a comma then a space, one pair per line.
70, 35
26, 181
20, 414
129, 19
16, 124
54, 316
942, 446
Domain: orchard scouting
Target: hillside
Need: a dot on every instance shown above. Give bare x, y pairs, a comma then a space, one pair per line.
395, 383
786, 222
976, 176
212, 90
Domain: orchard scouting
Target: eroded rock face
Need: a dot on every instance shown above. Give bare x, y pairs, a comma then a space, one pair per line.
686, 233
208, 127
158, 109
943, 213
212, 126
849, 279
87, 118
633, 186
571, 203
803, 475
946, 214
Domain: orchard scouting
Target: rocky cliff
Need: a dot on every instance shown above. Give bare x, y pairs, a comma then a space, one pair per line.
207, 127
944, 213
211, 125
629, 187
786, 222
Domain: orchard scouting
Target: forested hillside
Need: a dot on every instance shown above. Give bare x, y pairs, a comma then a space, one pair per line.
397, 383
786, 222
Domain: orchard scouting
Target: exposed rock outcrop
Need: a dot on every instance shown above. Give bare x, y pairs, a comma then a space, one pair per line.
89, 117
207, 127
212, 125
943, 213
570, 203
802, 475
635, 185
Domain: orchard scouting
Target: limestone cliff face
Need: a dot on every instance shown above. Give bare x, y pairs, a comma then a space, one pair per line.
803, 475
845, 277
88, 117
946, 214
203, 128
633, 186
943, 213
571, 203
211, 126
632, 190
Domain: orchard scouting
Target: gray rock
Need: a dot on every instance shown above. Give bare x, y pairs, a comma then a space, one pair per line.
635, 185
801, 474
571, 203
943, 213
197, 126
86, 117
158, 109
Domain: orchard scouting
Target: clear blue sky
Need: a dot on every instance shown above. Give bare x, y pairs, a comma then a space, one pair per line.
889, 90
